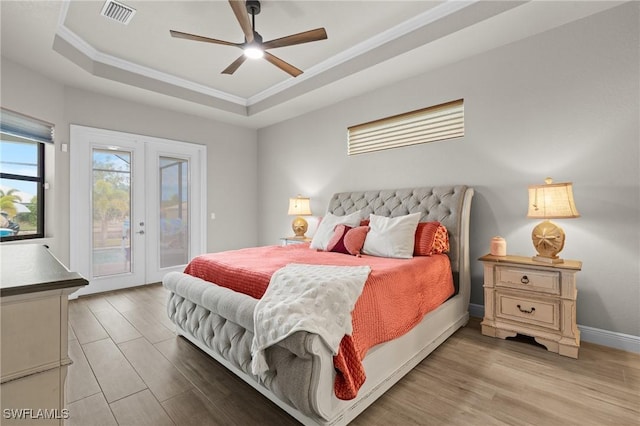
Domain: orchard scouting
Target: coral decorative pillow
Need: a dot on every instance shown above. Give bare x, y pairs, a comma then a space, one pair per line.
348, 240
431, 238
354, 239
425, 235
441, 242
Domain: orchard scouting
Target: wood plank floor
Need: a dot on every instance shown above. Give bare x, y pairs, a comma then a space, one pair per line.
130, 369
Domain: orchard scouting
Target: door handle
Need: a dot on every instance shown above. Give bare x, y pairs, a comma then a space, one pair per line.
140, 232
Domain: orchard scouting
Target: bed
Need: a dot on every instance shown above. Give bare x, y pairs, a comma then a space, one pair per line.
302, 370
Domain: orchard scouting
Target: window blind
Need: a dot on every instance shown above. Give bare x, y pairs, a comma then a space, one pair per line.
21, 126
436, 123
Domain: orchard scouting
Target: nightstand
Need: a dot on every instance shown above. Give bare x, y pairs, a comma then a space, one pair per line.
294, 240
532, 298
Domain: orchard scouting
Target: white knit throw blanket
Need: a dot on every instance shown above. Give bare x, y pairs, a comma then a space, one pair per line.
313, 298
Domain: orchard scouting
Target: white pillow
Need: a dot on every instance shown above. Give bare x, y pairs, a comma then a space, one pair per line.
327, 226
391, 236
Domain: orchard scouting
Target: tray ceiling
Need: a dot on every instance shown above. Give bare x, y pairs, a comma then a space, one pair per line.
369, 45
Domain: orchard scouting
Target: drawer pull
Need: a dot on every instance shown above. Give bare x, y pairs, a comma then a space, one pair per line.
524, 279
524, 311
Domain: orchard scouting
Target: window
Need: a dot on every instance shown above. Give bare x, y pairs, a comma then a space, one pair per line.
22, 175
436, 123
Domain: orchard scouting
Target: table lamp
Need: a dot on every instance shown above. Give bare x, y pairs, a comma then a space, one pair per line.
550, 201
299, 207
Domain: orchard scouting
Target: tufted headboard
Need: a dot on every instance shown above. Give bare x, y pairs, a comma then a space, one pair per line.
450, 205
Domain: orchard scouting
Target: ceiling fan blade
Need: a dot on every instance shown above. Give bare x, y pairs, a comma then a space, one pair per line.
240, 10
284, 66
305, 37
188, 36
234, 65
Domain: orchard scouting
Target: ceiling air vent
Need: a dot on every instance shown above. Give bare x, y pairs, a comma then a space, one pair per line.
118, 11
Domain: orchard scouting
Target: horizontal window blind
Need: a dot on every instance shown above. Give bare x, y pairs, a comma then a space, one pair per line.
436, 123
23, 127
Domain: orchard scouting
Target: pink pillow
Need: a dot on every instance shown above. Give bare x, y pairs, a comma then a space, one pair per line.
354, 239
347, 240
431, 238
336, 243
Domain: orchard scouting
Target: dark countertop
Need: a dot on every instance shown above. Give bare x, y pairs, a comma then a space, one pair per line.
29, 268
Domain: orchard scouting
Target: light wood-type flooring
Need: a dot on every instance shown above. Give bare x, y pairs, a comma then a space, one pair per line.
131, 369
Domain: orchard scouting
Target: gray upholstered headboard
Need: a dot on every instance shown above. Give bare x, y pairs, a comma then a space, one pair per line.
450, 205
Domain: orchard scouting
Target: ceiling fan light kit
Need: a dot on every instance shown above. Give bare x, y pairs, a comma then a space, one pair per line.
253, 46
253, 52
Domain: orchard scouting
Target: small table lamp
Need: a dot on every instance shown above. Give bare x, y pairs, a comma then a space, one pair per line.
550, 201
299, 207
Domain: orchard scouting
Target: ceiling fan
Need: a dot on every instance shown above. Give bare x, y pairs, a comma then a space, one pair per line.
253, 46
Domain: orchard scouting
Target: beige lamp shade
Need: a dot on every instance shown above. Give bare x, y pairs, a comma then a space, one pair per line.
550, 201
299, 207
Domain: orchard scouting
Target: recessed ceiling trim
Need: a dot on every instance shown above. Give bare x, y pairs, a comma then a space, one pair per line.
97, 56
441, 11
418, 21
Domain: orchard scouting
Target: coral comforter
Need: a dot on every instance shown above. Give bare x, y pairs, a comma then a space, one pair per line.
397, 295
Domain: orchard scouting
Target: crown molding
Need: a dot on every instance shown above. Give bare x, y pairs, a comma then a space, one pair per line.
97, 56
442, 10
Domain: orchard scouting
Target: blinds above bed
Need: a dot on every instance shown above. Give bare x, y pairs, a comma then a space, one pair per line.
436, 123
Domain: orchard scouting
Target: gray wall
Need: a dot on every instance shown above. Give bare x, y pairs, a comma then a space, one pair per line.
562, 104
231, 152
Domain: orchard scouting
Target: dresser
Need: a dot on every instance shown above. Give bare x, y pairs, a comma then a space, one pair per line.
34, 289
522, 296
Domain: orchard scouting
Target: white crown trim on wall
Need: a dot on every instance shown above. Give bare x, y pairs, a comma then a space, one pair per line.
97, 56
412, 24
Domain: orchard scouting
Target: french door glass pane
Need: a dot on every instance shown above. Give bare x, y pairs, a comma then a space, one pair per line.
111, 210
174, 212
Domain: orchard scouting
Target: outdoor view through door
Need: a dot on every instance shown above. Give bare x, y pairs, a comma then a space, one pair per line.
174, 212
138, 207
111, 210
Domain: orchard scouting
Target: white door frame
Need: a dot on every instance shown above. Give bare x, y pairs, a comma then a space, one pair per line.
146, 153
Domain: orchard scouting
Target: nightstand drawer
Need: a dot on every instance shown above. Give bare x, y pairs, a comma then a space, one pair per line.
528, 279
540, 312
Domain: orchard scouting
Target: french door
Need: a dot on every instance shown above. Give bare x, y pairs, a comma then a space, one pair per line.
137, 207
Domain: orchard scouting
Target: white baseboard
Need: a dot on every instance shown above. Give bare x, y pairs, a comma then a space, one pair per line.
625, 342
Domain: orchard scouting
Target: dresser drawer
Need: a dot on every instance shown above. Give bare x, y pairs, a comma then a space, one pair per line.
539, 311
30, 331
528, 279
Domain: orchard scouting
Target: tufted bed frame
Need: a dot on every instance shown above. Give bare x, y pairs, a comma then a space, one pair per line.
300, 380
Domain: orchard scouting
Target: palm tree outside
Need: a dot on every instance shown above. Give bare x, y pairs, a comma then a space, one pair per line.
8, 201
